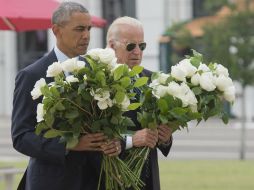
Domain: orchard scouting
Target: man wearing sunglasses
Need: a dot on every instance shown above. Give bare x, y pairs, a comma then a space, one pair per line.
126, 37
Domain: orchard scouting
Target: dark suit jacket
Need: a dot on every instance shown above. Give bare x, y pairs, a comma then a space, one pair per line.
49, 166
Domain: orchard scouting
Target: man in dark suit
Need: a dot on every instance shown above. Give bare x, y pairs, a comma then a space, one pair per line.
51, 165
126, 37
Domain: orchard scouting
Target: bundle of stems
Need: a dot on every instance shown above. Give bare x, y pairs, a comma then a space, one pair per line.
118, 175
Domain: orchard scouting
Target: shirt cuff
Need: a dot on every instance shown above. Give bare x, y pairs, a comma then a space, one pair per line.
129, 142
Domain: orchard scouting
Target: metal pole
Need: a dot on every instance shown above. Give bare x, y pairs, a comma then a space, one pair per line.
243, 126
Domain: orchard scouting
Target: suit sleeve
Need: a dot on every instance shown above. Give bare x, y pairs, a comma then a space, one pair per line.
166, 148
24, 121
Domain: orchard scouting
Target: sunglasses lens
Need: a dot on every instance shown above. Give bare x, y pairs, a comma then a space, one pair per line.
142, 46
130, 46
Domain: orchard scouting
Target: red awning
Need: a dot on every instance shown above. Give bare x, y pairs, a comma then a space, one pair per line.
24, 15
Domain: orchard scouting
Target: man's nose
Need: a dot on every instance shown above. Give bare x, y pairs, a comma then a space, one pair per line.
85, 34
136, 50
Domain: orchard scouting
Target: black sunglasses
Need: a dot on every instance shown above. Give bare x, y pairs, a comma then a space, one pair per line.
132, 46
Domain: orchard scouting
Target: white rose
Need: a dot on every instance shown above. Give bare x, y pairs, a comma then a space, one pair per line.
107, 55
160, 91
188, 67
203, 67
178, 73
207, 81
113, 65
186, 95
36, 92
162, 78
173, 89
40, 112
104, 104
70, 65
71, 79
154, 83
54, 69
100, 95
191, 99
221, 70
195, 79
229, 94
80, 64
94, 53
222, 82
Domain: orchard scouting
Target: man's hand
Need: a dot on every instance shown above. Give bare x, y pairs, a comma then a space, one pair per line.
90, 142
145, 137
165, 133
112, 147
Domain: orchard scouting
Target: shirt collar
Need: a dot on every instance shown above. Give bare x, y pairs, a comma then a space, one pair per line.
60, 55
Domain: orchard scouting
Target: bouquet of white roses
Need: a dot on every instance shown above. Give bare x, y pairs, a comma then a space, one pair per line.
192, 91
86, 99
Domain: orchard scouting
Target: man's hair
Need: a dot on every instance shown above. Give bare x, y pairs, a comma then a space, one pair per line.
114, 29
63, 13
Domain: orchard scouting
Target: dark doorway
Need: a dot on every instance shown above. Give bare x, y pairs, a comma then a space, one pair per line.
32, 45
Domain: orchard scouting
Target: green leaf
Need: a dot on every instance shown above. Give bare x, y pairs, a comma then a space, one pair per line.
128, 122
125, 82
91, 62
152, 125
163, 119
118, 72
81, 88
162, 105
72, 142
100, 76
59, 106
114, 120
71, 114
197, 90
49, 118
136, 70
108, 131
224, 118
45, 91
52, 133
54, 92
141, 81
119, 97
174, 125
40, 127
134, 106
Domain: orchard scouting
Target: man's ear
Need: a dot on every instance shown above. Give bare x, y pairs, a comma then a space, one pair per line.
111, 44
55, 29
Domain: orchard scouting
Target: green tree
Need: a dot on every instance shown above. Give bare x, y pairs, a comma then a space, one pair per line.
231, 43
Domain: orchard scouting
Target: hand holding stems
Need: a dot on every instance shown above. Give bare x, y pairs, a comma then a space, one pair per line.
90, 142
112, 147
164, 133
98, 142
145, 137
